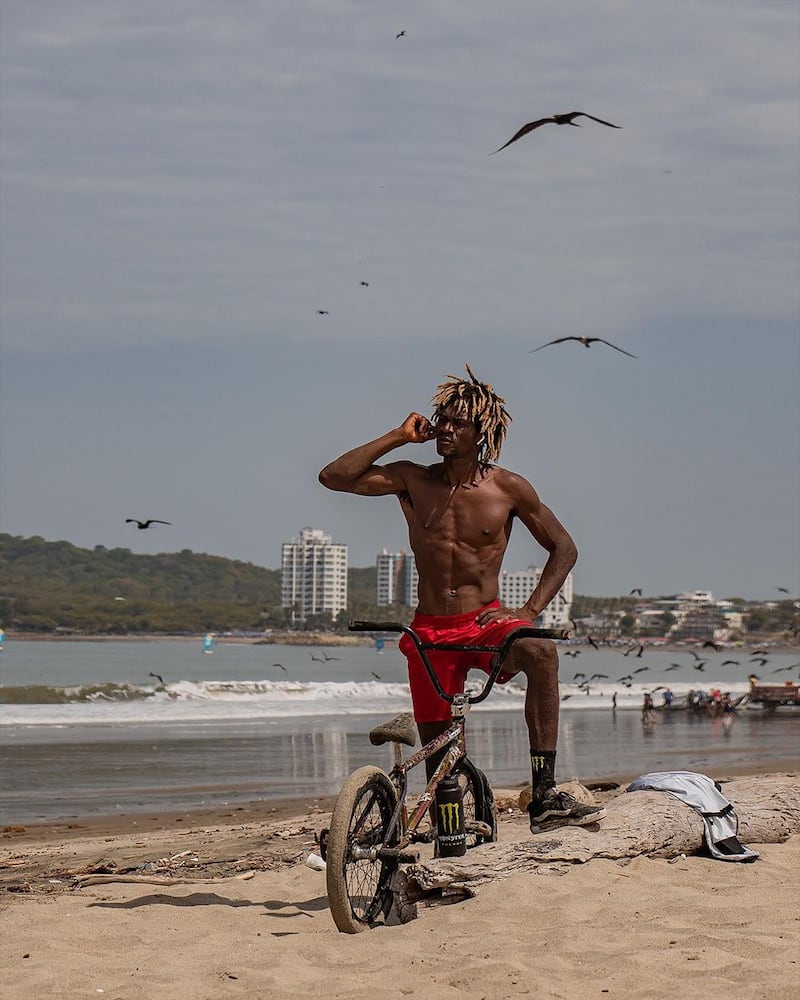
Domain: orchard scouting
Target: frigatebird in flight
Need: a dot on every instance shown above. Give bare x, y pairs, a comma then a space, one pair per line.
587, 342
567, 119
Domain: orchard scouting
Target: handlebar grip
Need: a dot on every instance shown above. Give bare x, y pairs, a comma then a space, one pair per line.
551, 633
363, 626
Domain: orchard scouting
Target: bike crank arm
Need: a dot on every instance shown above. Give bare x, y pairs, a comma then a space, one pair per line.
398, 854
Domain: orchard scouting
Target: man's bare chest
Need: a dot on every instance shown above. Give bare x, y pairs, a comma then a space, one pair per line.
473, 514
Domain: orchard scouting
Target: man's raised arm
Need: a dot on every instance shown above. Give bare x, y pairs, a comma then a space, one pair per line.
356, 472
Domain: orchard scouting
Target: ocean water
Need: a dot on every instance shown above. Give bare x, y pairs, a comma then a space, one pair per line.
89, 727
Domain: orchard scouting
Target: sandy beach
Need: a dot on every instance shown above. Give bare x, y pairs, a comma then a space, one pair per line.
83, 915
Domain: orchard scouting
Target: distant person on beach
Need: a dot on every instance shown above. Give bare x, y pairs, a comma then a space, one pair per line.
648, 709
460, 512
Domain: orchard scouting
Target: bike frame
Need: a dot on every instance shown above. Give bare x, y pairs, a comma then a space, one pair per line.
453, 738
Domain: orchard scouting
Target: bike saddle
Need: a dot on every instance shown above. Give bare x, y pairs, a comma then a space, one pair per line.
401, 729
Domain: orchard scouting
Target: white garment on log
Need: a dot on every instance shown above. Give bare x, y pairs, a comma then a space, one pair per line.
703, 795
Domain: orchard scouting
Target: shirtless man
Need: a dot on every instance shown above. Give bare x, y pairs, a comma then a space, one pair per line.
460, 512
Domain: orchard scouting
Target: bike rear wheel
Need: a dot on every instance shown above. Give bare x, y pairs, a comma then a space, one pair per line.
479, 811
358, 888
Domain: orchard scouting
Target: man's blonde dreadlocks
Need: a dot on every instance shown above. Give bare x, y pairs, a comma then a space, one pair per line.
479, 402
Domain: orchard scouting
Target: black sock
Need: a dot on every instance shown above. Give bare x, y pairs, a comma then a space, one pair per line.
543, 769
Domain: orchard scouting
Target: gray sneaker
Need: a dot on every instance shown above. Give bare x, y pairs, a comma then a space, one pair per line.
562, 809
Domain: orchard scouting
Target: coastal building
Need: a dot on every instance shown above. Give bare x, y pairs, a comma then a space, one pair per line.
397, 579
697, 616
516, 587
313, 575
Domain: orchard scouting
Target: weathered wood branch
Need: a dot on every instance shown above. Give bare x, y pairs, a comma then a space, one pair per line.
653, 824
84, 880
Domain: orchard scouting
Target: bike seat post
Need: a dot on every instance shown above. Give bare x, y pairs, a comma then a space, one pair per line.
459, 706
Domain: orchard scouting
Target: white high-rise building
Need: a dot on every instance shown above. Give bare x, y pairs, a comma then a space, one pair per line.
313, 575
397, 579
517, 587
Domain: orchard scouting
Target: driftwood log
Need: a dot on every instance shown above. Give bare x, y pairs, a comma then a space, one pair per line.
651, 824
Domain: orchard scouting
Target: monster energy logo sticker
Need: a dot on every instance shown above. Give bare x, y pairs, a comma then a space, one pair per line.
449, 817
537, 762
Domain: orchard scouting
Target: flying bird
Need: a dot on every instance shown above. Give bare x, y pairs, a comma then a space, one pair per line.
783, 590
576, 676
322, 312
598, 677
712, 645
725, 663
636, 590
328, 659
631, 649
587, 342
365, 284
316, 659
376, 676
572, 652
281, 666
591, 642
641, 670
673, 666
400, 34
566, 119
700, 666
141, 525
158, 677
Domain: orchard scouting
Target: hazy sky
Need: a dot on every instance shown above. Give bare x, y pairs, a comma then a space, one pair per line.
185, 184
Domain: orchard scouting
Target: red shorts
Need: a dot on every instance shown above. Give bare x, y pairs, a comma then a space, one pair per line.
450, 666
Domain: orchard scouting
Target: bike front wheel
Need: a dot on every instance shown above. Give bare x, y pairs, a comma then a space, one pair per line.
358, 887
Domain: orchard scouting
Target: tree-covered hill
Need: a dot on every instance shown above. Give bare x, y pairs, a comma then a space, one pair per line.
48, 585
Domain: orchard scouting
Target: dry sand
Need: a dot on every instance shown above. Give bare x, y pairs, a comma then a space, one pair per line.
251, 920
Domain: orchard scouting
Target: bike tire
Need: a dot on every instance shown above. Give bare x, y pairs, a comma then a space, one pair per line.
478, 802
358, 890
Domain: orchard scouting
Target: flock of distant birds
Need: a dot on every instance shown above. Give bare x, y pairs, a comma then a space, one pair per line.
757, 657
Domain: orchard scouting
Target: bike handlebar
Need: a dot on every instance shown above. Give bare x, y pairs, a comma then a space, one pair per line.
523, 632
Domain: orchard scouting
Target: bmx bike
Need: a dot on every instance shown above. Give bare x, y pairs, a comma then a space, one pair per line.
372, 831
